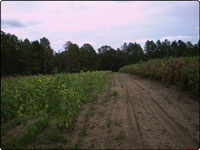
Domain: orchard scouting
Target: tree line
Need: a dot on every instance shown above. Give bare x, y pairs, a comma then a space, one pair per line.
23, 57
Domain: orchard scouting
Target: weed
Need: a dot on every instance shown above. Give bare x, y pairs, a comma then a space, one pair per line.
108, 146
83, 131
105, 99
102, 113
109, 122
117, 122
79, 143
121, 135
92, 113
92, 108
114, 82
114, 94
28, 137
54, 136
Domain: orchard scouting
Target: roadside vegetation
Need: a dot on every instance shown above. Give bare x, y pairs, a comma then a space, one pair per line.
182, 72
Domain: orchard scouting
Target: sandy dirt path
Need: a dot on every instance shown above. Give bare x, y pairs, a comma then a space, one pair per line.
143, 114
135, 113
165, 117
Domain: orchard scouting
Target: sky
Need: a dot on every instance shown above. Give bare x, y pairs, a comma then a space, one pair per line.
101, 23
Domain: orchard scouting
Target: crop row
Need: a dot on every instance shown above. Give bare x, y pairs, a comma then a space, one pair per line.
42, 98
182, 71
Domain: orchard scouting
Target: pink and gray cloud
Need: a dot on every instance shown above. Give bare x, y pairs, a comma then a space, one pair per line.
100, 22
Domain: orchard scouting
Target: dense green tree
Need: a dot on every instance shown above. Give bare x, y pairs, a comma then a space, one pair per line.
158, 51
174, 48
25, 57
150, 49
122, 58
57, 63
88, 58
47, 55
196, 48
134, 52
124, 47
192, 50
181, 49
108, 58
10, 45
166, 49
37, 57
72, 57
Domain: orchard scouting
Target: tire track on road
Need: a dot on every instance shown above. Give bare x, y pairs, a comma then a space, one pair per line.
179, 105
134, 125
178, 133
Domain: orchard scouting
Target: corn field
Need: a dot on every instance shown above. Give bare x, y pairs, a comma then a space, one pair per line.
182, 72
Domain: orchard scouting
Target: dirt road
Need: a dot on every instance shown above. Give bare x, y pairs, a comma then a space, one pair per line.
133, 112
161, 117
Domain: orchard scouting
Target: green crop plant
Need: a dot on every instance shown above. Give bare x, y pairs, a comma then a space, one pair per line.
182, 71
45, 97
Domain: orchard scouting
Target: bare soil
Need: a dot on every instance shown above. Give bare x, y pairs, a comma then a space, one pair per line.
134, 113
144, 114
163, 117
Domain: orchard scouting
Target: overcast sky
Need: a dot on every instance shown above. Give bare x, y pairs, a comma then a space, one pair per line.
101, 22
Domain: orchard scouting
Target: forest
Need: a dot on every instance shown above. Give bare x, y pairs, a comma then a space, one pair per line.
25, 57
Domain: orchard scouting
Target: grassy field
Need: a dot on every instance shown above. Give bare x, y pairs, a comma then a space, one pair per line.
183, 71
38, 101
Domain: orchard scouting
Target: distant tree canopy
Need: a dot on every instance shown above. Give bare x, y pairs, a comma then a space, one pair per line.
23, 57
